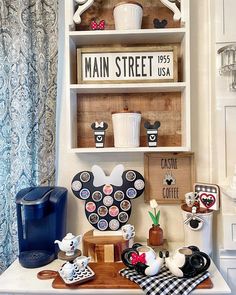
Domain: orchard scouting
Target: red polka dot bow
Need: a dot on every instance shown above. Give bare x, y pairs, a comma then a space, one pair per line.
135, 258
97, 25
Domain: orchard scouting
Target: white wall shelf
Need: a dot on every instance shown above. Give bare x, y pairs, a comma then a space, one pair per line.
128, 150
76, 94
160, 36
128, 88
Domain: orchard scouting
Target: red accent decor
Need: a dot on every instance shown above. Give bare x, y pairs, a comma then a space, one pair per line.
97, 25
138, 258
208, 200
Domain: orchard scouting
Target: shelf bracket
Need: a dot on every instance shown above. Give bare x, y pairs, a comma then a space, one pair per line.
173, 7
83, 6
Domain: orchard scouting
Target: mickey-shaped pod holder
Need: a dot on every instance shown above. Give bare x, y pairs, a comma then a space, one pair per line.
108, 198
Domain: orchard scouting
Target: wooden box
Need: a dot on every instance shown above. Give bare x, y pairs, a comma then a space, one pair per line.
103, 248
168, 176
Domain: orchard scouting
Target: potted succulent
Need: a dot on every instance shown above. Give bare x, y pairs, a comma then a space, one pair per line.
155, 232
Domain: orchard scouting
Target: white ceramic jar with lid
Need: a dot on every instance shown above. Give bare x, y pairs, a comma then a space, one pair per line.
128, 15
126, 128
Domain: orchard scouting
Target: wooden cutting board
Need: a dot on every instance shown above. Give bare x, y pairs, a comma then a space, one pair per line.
107, 277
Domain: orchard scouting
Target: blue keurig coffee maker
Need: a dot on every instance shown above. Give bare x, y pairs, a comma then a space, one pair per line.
41, 219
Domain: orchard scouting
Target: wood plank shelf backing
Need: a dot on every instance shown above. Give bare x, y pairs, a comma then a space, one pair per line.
164, 107
104, 10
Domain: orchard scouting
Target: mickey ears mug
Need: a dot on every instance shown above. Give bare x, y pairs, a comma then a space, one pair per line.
128, 231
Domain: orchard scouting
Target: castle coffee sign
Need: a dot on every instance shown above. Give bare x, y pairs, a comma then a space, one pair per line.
168, 176
127, 64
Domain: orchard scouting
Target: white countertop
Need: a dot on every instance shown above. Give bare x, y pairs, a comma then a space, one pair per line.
19, 280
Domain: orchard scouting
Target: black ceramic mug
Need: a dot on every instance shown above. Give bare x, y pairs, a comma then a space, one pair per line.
188, 262
143, 259
127, 260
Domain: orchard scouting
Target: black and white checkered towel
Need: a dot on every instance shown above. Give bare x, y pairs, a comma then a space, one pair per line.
164, 283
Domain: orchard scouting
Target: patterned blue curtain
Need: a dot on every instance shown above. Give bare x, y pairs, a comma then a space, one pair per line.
28, 73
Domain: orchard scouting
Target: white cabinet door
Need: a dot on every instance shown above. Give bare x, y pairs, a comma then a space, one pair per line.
228, 270
225, 19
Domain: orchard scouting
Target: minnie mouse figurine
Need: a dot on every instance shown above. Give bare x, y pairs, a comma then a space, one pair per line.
143, 259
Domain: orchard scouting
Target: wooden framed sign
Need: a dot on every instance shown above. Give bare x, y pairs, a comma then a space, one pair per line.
127, 64
168, 176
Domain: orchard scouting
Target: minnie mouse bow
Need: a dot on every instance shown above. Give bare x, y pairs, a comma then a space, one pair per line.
97, 25
138, 258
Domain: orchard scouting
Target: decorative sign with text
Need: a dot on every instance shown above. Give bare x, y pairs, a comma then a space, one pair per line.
169, 176
127, 64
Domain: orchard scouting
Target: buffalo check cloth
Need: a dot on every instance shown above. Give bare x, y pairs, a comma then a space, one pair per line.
164, 283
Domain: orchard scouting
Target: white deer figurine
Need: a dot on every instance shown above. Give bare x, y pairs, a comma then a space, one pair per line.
83, 6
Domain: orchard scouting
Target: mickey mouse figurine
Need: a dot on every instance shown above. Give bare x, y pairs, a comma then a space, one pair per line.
152, 132
99, 133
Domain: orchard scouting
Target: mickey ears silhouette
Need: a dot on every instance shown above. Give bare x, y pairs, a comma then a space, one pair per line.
159, 24
148, 125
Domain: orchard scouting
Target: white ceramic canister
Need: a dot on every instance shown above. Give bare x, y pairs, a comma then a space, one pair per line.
128, 15
201, 236
126, 128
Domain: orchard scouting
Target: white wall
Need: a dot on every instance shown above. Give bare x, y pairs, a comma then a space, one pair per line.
200, 87
70, 164
224, 114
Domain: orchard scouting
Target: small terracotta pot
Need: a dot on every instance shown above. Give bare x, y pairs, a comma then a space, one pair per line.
155, 235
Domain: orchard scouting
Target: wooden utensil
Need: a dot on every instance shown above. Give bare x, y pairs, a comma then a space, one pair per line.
79, 277
47, 274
